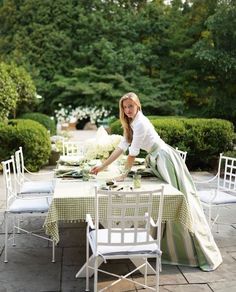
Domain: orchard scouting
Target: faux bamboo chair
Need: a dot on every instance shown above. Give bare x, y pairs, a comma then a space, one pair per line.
26, 185
73, 148
119, 240
183, 154
224, 194
22, 207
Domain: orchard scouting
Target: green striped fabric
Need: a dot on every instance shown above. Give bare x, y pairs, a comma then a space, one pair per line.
181, 245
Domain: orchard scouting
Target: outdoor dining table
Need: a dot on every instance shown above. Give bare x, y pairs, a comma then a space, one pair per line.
74, 198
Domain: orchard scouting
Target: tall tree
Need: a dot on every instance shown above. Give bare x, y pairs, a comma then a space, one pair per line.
8, 93
216, 53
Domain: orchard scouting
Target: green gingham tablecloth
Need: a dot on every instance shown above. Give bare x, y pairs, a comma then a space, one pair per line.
73, 199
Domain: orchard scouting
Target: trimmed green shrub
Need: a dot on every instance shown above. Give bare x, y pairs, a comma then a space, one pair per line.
43, 119
206, 139
33, 138
231, 153
170, 130
203, 139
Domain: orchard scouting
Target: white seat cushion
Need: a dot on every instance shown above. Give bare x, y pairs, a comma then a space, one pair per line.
221, 197
30, 205
106, 250
37, 187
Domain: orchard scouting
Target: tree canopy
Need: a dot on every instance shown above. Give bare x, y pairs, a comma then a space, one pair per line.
17, 90
179, 58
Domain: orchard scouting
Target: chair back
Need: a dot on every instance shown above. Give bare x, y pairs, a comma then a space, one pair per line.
20, 166
73, 148
128, 216
183, 154
227, 173
9, 175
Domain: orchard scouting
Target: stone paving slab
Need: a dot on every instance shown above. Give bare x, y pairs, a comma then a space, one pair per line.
30, 270
223, 286
185, 288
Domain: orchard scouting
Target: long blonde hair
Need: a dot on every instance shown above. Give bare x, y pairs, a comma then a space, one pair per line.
125, 120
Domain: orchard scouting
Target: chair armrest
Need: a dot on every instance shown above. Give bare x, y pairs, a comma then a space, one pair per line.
37, 173
196, 181
33, 196
90, 221
213, 194
153, 224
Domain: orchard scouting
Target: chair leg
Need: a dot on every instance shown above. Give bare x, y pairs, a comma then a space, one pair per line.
6, 237
95, 274
87, 264
14, 229
145, 273
53, 251
18, 225
158, 262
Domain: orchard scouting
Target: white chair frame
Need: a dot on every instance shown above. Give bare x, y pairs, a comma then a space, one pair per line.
224, 194
32, 186
129, 208
73, 148
183, 154
24, 206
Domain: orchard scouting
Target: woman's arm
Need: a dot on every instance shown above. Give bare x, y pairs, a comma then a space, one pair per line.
129, 162
114, 155
128, 165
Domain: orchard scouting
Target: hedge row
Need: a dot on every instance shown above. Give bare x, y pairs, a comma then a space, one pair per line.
43, 119
203, 139
32, 136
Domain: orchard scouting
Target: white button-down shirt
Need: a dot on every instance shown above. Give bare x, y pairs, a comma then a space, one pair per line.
144, 136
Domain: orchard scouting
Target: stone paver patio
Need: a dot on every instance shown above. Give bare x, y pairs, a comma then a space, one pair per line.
30, 270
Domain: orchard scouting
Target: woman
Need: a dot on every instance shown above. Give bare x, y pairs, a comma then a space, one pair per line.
179, 245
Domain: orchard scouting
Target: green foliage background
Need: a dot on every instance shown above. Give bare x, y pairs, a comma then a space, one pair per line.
179, 58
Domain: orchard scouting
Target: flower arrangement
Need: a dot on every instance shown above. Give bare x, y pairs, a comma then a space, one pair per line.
102, 146
63, 114
94, 114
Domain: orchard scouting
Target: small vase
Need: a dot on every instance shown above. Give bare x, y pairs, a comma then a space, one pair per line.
137, 181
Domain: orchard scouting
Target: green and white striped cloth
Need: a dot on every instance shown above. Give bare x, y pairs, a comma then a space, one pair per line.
181, 245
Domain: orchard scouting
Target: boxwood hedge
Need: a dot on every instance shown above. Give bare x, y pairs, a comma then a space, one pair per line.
33, 138
43, 119
203, 139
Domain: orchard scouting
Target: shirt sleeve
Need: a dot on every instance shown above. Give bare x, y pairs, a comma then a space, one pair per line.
139, 131
123, 144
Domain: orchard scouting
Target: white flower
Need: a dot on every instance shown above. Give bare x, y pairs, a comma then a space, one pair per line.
101, 146
95, 114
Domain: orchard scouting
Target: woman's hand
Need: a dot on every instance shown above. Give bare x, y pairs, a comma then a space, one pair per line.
120, 178
96, 169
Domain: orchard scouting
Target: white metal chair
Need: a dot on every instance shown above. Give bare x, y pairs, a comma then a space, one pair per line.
183, 154
21, 206
224, 194
119, 240
73, 148
25, 185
